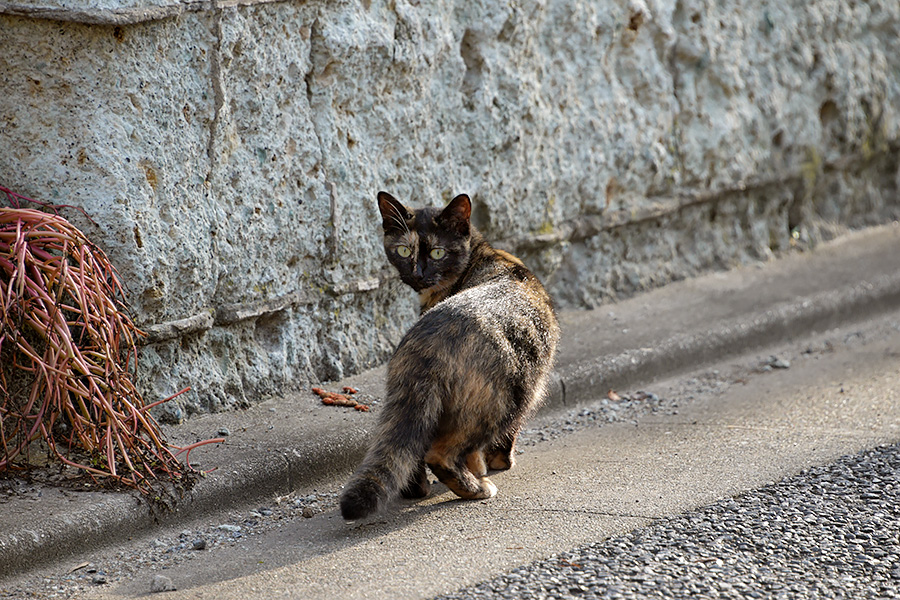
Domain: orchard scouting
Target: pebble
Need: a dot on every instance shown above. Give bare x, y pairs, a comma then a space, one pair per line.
779, 363
99, 579
230, 528
161, 583
223, 431
199, 544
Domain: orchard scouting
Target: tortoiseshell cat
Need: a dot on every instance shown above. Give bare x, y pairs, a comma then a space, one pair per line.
467, 374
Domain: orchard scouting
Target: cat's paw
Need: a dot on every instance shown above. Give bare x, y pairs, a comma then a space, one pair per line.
488, 489
501, 461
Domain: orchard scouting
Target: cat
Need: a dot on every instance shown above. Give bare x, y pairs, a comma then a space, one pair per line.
467, 374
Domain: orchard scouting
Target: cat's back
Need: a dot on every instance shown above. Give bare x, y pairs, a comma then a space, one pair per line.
501, 318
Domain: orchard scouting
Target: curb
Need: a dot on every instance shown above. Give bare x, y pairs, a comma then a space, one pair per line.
119, 516
580, 382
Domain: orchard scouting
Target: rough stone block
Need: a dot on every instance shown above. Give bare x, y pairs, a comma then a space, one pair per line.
229, 153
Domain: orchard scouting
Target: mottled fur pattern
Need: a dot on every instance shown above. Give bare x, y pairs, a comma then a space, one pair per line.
467, 374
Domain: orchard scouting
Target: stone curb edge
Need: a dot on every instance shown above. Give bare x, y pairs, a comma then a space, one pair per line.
808, 315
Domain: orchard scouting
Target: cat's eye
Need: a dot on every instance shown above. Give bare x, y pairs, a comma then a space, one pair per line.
437, 253
404, 251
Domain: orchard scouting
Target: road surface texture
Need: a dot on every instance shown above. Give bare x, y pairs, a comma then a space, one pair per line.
829, 532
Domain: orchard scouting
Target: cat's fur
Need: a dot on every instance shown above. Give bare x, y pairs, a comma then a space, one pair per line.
467, 374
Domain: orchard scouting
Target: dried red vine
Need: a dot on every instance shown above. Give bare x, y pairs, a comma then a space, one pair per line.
67, 358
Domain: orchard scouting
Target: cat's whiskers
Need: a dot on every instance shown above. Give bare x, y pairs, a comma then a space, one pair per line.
400, 221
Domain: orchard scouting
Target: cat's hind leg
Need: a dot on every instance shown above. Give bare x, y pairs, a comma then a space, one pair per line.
463, 472
465, 485
501, 454
418, 485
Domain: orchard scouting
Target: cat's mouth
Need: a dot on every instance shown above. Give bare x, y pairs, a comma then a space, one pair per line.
434, 286
433, 283
420, 285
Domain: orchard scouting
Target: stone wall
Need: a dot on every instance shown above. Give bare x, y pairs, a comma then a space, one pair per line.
229, 153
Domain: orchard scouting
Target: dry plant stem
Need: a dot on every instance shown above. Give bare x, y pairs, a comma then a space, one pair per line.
62, 327
186, 450
15, 200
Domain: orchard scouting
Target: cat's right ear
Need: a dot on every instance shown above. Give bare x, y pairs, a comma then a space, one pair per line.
456, 214
393, 214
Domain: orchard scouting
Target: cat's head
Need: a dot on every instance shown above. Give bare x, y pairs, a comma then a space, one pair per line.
428, 246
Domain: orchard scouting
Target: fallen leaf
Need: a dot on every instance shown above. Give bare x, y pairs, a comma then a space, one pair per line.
335, 399
612, 395
338, 400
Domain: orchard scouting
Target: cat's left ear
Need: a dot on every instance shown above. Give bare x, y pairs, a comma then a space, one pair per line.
393, 214
456, 215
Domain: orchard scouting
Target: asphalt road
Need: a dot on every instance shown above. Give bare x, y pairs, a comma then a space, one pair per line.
828, 532
624, 481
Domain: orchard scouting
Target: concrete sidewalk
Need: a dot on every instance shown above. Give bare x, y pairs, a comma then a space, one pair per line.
293, 442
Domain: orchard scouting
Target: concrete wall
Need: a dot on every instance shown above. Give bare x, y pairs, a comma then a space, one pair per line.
229, 152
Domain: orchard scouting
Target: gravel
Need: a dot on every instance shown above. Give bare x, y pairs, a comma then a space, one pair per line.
113, 566
828, 532
161, 583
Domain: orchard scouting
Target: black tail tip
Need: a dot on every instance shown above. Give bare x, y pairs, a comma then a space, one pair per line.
360, 499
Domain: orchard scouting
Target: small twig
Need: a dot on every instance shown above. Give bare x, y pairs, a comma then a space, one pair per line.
164, 400
187, 449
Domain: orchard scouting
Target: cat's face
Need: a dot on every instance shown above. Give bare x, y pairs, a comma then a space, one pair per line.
428, 246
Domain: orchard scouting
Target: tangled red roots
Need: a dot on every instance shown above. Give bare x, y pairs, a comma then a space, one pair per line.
67, 359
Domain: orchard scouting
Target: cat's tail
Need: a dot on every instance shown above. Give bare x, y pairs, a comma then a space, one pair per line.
407, 426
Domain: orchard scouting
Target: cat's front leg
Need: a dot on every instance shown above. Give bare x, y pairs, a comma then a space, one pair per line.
464, 474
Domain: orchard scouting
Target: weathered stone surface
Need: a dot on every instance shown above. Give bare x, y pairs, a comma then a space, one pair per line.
229, 153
